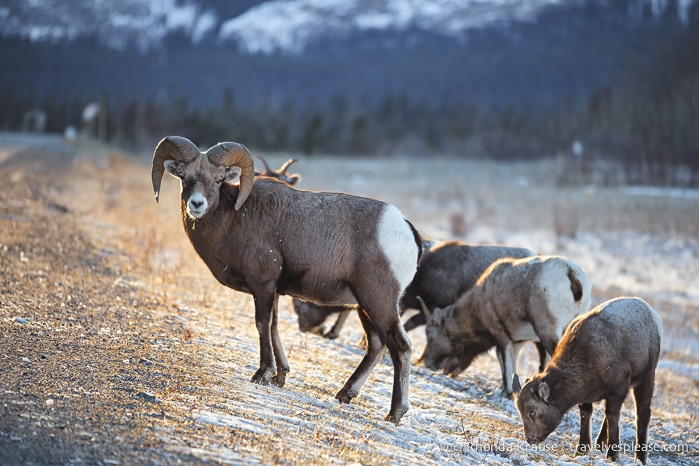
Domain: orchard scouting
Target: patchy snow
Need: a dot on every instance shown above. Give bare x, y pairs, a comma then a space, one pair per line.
661, 192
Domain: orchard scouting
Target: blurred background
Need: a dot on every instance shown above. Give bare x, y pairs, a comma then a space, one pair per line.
610, 85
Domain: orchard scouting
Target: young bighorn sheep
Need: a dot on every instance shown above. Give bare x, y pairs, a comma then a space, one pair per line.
280, 174
447, 269
603, 353
514, 301
312, 316
266, 238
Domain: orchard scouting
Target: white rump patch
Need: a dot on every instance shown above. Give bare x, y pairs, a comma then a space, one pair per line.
559, 298
398, 244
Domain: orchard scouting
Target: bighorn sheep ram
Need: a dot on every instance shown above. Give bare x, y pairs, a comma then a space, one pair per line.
603, 353
280, 174
266, 238
513, 301
447, 269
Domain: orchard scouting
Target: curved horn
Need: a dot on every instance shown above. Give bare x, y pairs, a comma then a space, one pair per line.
425, 310
264, 162
231, 154
286, 165
174, 148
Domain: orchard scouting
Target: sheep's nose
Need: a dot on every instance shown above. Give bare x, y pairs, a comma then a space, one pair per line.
197, 204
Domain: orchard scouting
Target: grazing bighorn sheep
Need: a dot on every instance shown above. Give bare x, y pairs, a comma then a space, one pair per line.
280, 174
447, 269
266, 238
312, 316
603, 353
513, 301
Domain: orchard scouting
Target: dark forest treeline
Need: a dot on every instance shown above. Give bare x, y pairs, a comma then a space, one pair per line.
645, 123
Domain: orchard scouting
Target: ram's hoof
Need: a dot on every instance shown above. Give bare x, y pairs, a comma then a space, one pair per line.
345, 396
280, 379
263, 375
396, 415
582, 449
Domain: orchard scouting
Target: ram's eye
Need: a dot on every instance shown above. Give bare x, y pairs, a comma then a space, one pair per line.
532, 414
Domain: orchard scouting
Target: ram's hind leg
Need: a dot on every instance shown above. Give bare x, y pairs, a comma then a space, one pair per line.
642, 395
374, 351
400, 349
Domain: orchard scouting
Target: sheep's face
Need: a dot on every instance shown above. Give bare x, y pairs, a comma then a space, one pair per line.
439, 346
539, 418
310, 315
201, 183
462, 357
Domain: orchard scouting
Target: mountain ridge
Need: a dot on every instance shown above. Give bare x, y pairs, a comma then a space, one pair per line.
564, 53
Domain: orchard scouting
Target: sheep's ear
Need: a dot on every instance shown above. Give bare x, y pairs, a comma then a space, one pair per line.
543, 392
516, 386
171, 167
437, 316
232, 174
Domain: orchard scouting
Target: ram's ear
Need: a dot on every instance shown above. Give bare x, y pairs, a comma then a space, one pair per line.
233, 174
543, 392
516, 386
171, 167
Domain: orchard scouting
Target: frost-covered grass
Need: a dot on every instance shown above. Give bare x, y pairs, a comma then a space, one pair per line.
628, 243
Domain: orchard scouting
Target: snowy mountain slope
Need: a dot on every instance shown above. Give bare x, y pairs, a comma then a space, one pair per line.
290, 26
139, 23
285, 25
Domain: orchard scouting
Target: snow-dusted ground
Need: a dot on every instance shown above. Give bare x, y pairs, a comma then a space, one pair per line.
628, 243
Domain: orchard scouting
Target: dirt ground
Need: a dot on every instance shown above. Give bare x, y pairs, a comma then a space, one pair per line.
107, 353
77, 372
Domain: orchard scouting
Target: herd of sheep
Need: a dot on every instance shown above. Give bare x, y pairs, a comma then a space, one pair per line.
340, 253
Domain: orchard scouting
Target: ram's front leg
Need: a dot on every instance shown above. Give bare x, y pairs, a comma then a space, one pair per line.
506, 357
264, 303
585, 443
279, 356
